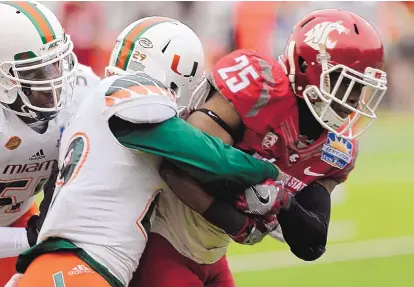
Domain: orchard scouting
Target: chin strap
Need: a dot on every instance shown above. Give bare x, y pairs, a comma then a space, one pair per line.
323, 58
292, 68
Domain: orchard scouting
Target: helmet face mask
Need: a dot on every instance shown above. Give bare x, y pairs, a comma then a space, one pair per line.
343, 94
37, 73
336, 70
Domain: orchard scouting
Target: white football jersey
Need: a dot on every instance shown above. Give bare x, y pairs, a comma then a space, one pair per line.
26, 157
105, 189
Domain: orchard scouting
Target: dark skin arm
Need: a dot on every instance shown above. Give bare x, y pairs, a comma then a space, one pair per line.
224, 110
229, 115
183, 186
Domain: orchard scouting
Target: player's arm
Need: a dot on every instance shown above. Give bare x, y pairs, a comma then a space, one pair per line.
15, 240
204, 157
217, 117
239, 226
305, 220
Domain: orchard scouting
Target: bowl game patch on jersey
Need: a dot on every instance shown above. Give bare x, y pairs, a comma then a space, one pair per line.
337, 151
13, 143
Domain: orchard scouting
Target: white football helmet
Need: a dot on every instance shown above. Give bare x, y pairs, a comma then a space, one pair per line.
163, 48
36, 60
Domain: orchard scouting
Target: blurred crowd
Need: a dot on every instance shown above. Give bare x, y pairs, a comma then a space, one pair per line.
225, 26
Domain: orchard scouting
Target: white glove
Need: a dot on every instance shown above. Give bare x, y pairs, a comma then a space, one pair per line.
262, 199
13, 241
278, 234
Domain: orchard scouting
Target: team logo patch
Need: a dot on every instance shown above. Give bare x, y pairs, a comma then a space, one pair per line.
322, 34
145, 43
76, 154
269, 140
294, 157
13, 143
337, 151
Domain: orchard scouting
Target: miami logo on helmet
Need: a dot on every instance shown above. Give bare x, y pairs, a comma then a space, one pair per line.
319, 34
174, 66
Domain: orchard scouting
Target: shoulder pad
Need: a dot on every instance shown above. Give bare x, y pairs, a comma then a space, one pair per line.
86, 82
139, 99
85, 77
249, 81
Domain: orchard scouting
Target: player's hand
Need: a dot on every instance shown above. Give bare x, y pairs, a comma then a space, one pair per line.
183, 112
278, 234
256, 228
265, 198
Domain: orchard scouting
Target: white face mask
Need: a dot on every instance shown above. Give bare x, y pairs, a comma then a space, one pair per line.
347, 106
39, 82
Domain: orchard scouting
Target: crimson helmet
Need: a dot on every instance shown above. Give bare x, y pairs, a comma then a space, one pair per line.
335, 50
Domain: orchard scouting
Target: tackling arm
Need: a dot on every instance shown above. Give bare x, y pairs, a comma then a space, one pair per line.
241, 228
204, 157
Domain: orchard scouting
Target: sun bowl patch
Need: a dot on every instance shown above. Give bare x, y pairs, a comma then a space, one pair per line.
337, 151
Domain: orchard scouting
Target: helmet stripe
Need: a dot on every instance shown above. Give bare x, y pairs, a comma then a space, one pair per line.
38, 19
128, 44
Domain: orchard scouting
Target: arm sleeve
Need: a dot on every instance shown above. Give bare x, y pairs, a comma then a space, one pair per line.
204, 157
305, 223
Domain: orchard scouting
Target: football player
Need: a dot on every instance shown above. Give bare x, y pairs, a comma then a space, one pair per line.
95, 229
298, 111
14, 240
37, 69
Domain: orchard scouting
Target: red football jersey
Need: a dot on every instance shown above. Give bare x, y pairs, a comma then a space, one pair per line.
259, 90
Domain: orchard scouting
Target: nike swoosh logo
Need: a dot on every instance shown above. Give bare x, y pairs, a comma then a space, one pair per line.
263, 198
211, 114
310, 173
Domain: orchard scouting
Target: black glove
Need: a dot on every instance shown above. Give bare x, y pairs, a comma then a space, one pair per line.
32, 229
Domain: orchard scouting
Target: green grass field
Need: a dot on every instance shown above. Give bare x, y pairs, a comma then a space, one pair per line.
372, 226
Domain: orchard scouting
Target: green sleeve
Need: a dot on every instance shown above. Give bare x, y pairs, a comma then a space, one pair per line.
205, 157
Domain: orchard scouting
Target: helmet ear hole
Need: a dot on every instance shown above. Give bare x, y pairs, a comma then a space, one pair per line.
174, 87
303, 66
356, 29
165, 48
307, 22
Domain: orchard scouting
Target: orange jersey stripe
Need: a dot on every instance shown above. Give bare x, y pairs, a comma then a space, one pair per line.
38, 19
128, 43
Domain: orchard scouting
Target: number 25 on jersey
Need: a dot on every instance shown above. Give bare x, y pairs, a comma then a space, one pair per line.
241, 70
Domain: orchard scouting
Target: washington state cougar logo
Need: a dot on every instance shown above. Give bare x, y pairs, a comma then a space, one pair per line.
321, 34
269, 140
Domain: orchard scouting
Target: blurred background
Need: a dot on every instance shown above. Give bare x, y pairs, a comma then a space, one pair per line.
371, 236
